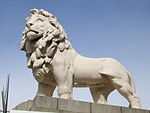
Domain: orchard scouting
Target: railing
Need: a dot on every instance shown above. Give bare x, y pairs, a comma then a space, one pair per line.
5, 93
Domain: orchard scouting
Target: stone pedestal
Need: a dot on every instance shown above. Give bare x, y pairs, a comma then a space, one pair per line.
49, 104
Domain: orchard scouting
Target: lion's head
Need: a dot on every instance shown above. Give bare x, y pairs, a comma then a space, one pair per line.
42, 37
41, 24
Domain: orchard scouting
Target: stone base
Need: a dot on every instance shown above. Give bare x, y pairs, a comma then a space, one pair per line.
49, 104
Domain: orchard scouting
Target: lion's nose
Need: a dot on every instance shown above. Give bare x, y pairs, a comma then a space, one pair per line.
29, 24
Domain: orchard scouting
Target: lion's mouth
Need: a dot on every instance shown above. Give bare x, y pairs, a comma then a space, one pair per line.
34, 31
32, 34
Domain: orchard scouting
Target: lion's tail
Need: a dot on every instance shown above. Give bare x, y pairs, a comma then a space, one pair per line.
131, 81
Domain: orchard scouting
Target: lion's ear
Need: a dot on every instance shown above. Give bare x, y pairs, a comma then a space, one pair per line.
34, 11
46, 14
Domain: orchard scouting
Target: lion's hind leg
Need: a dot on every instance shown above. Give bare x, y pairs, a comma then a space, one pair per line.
126, 90
100, 94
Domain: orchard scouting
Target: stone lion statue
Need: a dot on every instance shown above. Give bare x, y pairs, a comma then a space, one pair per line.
54, 62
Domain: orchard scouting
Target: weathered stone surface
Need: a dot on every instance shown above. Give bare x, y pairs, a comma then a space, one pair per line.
41, 109
44, 104
131, 110
73, 105
21, 111
48, 104
100, 108
63, 111
127, 110
141, 111
24, 106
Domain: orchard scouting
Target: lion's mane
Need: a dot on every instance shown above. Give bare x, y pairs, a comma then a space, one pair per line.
40, 52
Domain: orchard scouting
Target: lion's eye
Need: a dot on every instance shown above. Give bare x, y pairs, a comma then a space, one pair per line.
39, 20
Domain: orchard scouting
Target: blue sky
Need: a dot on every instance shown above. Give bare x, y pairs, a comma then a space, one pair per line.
96, 28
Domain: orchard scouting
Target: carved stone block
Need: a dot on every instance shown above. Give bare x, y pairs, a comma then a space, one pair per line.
73, 105
99, 108
41, 103
131, 110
